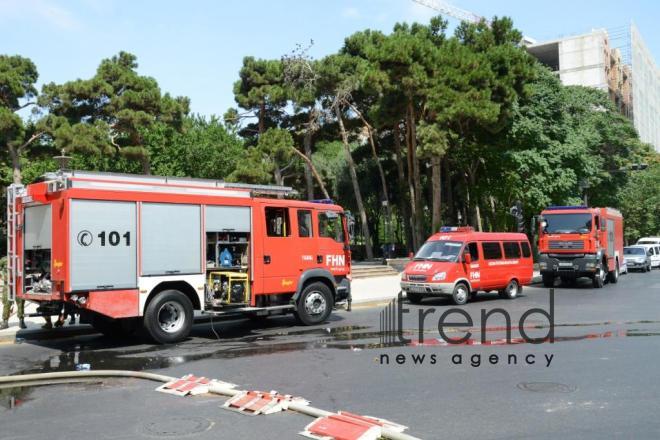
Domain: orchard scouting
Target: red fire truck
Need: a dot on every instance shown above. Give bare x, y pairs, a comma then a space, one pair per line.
577, 241
459, 262
129, 251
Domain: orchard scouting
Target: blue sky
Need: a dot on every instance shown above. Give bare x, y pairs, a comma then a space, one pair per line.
195, 48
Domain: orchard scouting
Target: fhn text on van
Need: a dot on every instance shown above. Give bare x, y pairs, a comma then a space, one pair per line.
455, 317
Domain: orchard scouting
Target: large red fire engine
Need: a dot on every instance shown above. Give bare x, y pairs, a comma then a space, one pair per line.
128, 251
577, 241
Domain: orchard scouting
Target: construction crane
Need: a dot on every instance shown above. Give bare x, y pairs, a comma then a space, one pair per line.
451, 10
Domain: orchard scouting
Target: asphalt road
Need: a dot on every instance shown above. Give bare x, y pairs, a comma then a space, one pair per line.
597, 378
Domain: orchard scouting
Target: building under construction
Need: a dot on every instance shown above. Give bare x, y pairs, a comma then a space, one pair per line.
616, 61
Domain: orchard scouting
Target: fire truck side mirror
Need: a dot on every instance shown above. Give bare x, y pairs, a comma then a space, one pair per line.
467, 258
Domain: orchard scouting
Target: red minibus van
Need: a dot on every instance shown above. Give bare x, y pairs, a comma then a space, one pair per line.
459, 262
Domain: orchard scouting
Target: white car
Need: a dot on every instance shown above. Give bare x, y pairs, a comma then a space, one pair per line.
637, 258
654, 252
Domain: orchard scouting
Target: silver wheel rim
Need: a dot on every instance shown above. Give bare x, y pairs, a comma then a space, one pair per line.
601, 274
512, 289
171, 317
461, 294
315, 303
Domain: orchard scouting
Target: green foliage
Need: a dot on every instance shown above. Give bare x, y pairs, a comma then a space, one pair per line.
266, 161
639, 201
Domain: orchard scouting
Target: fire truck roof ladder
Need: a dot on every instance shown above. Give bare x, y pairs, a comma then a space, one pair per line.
127, 179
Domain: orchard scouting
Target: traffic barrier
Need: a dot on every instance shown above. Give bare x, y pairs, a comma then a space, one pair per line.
348, 426
258, 402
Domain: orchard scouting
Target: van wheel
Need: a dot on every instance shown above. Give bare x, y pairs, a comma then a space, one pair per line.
548, 280
599, 277
168, 317
614, 275
314, 305
511, 290
460, 294
414, 297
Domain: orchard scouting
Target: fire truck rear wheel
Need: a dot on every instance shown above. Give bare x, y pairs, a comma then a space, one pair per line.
168, 317
460, 294
314, 305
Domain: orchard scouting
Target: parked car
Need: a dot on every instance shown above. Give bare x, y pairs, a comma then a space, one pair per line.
654, 251
637, 258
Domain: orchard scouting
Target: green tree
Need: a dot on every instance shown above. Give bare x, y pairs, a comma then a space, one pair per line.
105, 115
18, 76
639, 200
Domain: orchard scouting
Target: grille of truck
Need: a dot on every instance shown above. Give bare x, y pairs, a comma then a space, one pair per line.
417, 277
566, 244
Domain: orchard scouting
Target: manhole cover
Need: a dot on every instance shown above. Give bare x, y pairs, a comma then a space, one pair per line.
177, 426
546, 387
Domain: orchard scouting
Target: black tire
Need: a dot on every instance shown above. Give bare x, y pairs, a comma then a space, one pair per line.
168, 317
548, 280
315, 304
414, 297
598, 281
613, 276
648, 268
115, 328
511, 291
461, 294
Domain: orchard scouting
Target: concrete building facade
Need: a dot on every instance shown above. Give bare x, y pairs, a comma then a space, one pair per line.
632, 82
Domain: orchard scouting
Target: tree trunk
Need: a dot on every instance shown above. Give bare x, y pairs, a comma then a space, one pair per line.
16, 166
476, 218
436, 180
403, 205
315, 173
416, 185
262, 117
309, 178
146, 166
356, 185
449, 192
381, 173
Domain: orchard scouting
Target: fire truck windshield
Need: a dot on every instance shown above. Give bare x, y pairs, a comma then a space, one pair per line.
440, 250
568, 223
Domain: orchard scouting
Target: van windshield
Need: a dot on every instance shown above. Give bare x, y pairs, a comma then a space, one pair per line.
440, 250
568, 223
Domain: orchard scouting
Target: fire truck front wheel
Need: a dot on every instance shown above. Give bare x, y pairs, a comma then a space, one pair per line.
461, 294
168, 317
314, 305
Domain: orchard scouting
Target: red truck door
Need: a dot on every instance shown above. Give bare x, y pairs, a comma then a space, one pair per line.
331, 242
280, 251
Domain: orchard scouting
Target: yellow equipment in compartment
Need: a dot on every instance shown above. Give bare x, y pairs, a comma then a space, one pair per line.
232, 278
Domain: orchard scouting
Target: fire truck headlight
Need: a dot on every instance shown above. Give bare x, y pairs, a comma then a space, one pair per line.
404, 277
439, 276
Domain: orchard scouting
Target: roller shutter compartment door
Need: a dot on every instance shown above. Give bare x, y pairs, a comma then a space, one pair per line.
38, 223
170, 239
102, 242
227, 218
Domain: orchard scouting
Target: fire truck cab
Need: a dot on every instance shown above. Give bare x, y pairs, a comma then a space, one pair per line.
130, 251
577, 241
458, 262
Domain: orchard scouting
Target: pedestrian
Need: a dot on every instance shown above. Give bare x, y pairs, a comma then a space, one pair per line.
6, 304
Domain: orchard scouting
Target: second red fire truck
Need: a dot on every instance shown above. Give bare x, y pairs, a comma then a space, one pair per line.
129, 251
578, 241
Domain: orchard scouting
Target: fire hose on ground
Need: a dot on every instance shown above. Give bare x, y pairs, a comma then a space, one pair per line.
60, 377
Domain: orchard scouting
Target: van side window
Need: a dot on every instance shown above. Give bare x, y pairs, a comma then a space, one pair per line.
474, 251
304, 223
511, 249
277, 222
492, 250
330, 226
527, 252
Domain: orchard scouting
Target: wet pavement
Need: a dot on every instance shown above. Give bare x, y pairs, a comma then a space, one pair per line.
596, 376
